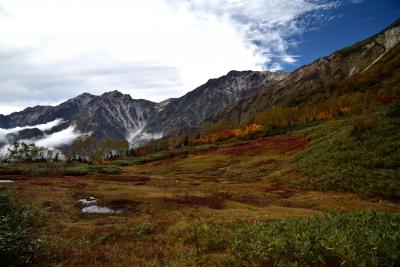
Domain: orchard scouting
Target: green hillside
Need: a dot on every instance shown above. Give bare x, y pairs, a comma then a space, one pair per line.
356, 154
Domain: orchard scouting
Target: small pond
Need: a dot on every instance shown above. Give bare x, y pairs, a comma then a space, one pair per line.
99, 210
90, 207
7, 181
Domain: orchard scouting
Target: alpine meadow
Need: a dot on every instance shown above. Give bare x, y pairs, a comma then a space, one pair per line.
290, 164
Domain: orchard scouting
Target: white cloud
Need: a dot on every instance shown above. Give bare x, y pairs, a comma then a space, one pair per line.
42, 127
54, 140
51, 50
63, 137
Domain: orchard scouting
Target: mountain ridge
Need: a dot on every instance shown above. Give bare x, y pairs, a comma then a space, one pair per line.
116, 115
235, 98
314, 78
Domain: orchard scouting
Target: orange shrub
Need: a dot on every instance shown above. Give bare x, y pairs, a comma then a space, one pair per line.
324, 116
345, 110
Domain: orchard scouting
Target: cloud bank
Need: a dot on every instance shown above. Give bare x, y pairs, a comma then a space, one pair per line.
54, 140
42, 127
154, 49
63, 137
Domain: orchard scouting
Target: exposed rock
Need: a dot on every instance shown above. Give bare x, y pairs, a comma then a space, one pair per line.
185, 114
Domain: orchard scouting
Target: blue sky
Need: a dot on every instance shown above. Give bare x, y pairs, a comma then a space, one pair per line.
51, 51
350, 23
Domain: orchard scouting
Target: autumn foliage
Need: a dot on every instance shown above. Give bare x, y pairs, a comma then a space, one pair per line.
226, 134
279, 117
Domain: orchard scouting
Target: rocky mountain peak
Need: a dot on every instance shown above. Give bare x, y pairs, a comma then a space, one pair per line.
114, 93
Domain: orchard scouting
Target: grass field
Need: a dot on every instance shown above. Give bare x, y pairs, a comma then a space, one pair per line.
263, 202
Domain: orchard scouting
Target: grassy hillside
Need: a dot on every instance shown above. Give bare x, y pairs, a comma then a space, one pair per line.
355, 154
336, 239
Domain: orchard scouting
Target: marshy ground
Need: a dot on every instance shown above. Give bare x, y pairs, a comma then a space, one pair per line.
158, 203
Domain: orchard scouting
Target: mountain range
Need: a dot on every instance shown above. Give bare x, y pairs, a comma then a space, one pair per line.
235, 98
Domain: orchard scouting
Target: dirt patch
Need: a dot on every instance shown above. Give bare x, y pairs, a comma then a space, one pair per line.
268, 161
42, 183
123, 178
254, 200
214, 201
280, 190
123, 205
50, 206
283, 143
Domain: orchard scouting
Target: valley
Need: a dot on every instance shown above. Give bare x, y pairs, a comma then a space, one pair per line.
148, 211
254, 168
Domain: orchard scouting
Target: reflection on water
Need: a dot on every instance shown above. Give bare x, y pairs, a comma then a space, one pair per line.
99, 210
87, 201
89, 207
7, 181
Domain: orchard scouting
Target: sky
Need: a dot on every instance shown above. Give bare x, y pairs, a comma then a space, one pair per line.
52, 50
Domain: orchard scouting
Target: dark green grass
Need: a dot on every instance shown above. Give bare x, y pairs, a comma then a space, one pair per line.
111, 169
166, 154
55, 169
364, 239
18, 244
46, 169
359, 154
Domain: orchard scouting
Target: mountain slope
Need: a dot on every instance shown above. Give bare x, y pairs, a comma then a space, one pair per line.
43, 114
315, 80
118, 116
186, 113
114, 115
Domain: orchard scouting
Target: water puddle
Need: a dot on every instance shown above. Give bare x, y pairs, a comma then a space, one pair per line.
87, 201
99, 210
90, 207
7, 181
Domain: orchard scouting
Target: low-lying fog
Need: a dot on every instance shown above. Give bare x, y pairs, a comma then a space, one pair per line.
53, 140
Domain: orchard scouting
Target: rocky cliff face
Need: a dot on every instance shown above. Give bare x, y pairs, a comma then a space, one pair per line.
185, 114
28, 116
43, 114
114, 115
339, 65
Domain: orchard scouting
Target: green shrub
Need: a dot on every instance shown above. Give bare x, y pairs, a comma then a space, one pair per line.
395, 109
144, 229
363, 239
18, 244
76, 170
110, 170
122, 162
150, 157
362, 127
10, 169
207, 237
